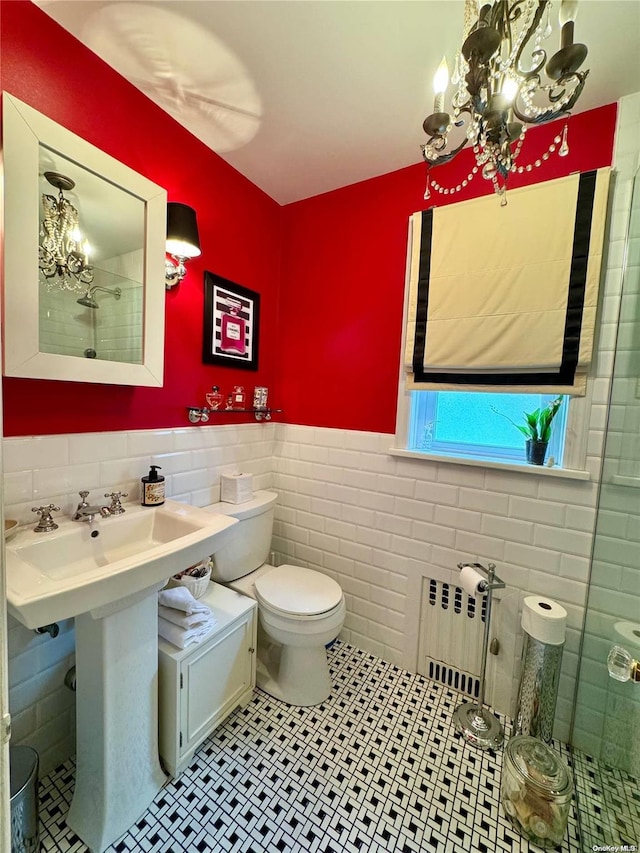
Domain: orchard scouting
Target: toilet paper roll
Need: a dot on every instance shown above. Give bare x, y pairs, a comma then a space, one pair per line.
470, 580
627, 632
544, 620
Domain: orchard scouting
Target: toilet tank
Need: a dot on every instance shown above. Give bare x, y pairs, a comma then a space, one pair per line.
248, 546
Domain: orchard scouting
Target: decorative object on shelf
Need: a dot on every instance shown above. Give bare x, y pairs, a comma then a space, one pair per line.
260, 396
537, 430
183, 241
231, 323
214, 398
499, 96
239, 397
63, 254
200, 414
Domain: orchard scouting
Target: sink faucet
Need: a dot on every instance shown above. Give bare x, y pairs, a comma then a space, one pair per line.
85, 512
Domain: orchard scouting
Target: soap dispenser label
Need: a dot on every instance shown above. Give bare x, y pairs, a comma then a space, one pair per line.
154, 493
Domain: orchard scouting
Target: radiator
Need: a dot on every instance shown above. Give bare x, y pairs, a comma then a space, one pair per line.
451, 630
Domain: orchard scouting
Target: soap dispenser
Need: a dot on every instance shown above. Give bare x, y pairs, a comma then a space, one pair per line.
153, 487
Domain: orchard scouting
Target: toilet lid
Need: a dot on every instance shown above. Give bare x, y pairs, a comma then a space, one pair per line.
293, 589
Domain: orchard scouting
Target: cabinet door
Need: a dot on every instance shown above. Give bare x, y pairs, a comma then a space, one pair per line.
214, 678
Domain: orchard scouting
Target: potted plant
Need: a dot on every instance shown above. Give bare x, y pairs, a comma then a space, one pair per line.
537, 430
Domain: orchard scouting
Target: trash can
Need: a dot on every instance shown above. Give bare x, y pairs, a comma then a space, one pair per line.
544, 623
23, 772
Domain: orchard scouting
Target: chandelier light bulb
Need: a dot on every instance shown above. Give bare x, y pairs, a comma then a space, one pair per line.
75, 235
440, 83
509, 88
86, 250
568, 11
441, 78
567, 16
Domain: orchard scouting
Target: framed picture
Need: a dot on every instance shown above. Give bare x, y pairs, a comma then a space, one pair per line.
231, 323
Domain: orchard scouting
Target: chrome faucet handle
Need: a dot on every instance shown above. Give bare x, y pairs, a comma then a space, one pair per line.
116, 507
84, 494
46, 522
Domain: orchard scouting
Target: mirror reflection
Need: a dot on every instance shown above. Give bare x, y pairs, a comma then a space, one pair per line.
90, 263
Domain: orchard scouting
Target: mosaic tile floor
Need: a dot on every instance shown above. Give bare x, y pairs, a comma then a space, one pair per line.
613, 816
377, 767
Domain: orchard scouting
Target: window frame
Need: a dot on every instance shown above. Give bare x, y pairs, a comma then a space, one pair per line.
426, 404
576, 434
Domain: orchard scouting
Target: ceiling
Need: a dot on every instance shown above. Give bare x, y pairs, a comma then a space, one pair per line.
304, 96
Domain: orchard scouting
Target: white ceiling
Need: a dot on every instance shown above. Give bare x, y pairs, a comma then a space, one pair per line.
303, 96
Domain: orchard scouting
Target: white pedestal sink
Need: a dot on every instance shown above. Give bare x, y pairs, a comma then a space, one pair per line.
109, 585
118, 772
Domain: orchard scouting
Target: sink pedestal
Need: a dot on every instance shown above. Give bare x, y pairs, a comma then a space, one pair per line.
118, 772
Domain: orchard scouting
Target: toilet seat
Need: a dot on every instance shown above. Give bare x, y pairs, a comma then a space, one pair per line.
295, 591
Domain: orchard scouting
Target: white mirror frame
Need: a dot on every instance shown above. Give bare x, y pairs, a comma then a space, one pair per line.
24, 129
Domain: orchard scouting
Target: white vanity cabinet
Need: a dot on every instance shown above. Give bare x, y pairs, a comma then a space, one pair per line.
201, 685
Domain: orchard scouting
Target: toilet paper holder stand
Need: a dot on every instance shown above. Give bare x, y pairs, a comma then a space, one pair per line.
471, 719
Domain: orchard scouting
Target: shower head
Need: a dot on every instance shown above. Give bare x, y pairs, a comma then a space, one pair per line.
87, 300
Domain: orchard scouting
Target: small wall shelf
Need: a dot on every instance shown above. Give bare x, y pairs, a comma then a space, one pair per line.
200, 414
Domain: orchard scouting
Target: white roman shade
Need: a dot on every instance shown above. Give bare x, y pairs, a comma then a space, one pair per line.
505, 298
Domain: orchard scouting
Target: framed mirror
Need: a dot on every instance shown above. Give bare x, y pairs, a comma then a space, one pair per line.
84, 258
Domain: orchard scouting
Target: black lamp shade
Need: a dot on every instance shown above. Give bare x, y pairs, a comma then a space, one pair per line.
183, 240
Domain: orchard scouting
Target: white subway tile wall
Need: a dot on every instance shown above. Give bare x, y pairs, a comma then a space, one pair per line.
427, 526
45, 469
604, 708
346, 507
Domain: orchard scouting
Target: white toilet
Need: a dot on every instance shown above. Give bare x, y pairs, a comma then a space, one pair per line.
300, 611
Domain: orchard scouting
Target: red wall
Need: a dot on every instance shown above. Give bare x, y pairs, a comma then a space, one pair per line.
343, 273
331, 314
240, 231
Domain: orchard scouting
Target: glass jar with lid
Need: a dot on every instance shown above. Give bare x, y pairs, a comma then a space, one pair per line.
536, 792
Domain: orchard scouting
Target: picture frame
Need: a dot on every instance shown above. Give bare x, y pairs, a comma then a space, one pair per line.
231, 323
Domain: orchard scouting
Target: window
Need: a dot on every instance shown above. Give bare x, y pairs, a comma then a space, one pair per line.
477, 425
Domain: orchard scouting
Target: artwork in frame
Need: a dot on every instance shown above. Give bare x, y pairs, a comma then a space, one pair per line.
231, 323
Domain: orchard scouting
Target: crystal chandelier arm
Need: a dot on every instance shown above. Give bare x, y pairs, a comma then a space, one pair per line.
437, 142
557, 94
438, 160
526, 38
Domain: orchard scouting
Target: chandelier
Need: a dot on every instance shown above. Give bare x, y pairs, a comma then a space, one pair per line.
63, 256
496, 97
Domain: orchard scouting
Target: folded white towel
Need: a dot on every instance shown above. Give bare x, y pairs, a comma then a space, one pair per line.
181, 599
182, 637
179, 617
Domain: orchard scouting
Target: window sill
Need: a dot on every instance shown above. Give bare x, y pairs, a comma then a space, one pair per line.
625, 480
520, 467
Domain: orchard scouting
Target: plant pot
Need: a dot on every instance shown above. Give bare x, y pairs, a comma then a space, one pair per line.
536, 451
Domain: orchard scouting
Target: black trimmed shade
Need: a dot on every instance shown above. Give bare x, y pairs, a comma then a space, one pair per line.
183, 240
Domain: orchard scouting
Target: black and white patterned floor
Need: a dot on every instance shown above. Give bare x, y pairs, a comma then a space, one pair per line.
377, 767
613, 798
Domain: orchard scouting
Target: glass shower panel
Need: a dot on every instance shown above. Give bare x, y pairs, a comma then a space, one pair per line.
606, 728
